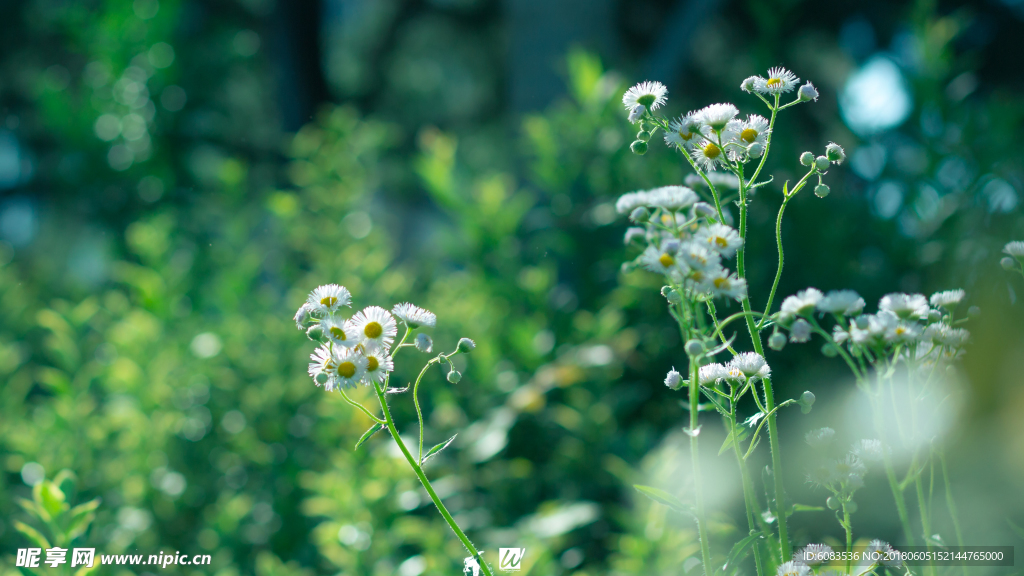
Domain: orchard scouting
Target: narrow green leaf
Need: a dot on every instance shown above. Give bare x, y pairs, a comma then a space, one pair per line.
366, 435
741, 549
32, 534
804, 508
732, 438
85, 507
662, 497
436, 449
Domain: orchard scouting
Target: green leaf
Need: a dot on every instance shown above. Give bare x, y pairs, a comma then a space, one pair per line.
366, 435
736, 435
86, 507
51, 497
433, 451
804, 508
33, 509
662, 497
81, 516
741, 549
32, 534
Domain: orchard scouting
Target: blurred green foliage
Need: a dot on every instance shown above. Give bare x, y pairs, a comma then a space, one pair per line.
146, 340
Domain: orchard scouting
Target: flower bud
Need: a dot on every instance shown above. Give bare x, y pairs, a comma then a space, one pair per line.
636, 113
862, 322
851, 507
748, 84
807, 158
704, 209
643, 136
671, 295
756, 150
821, 163
466, 345
807, 92
1008, 263
671, 246
315, 332
639, 147
302, 316
424, 343
835, 153
821, 190
321, 378
640, 215
647, 126
800, 331
833, 503
829, 351
934, 315
673, 378
694, 347
454, 376
777, 341
807, 398
634, 233
974, 311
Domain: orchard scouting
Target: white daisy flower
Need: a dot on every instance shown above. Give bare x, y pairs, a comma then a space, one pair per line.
699, 256
800, 331
751, 364
746, 132
672, 197
349, 368
721, 283
648, 94
682, 130
807, 92
375, 326
339, 332
636, 113
721, 238
779, 81
749, 84
716, 116
945, 335
845, 302
631, 201
673, 378
889, 556
912, 306
634, 233
329, 298
733, 373
711, 373
849, 470
803, 302
322, 363
1015, 248
893, 328
708, 154
813, 554
869, 449
793, 569
663, 259
820, 437
414, 316
947, 298
378, 365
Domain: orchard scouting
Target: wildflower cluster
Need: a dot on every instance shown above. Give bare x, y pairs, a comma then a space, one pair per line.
1014, 259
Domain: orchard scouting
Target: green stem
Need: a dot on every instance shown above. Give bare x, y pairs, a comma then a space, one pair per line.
778, 272
848, 526
702, 524
749, 496
890, 473
360, 406
426, 484
922, 504
950, 503
416, 403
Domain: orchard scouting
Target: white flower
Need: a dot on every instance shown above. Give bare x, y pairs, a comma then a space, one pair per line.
636, 113
329, 298
673, 378
1015, 248
302, 315
947, 298
708, 154
900, 331
905, 305
850, 470
424, 343
779, 81
870, 450
749, 84
349, 368
716, 116
682, 130
647, 93
375, 326
663, 259
846, 302
750, 363
746, 132
414, 316
322, 363
803, 302
800, 331
631, 201
721, 238
807, 92
820, 437
814, 554
889, 556
672, 197
699, 256
711, 373
378, 365
944, 335
793, 569
721, 283
339, 332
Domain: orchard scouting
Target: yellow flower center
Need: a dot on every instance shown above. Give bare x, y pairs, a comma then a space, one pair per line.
698, 276
722, 242
711, 150
748, 135
685, 135
329, 301
721, 282
338, 333
347, 369
774, 82
666, 260
371, 363
373, 330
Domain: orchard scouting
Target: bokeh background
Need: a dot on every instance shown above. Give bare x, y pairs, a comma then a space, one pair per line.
175, 175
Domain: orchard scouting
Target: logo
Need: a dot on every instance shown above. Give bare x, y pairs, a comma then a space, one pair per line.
472, 567
511, 559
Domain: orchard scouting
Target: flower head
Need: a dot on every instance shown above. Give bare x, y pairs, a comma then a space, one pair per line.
800, 331
302, 315
912, 306
708, 154
792, 568
835, 153
750, 364
803, 302
339, 332
322, 365
721, 238
349, 368
716, 116
375, 326
631, 201
845, 302
721, 283
329, 298
711, 373
378, 365
869, 449
673, 378
636, 113
663, 259
779, 81
1015, 248
699, 256
672, 197
682, 130
753, 130
414, 316
849, 470
807, 92
649, 94
947, 298
820, 437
